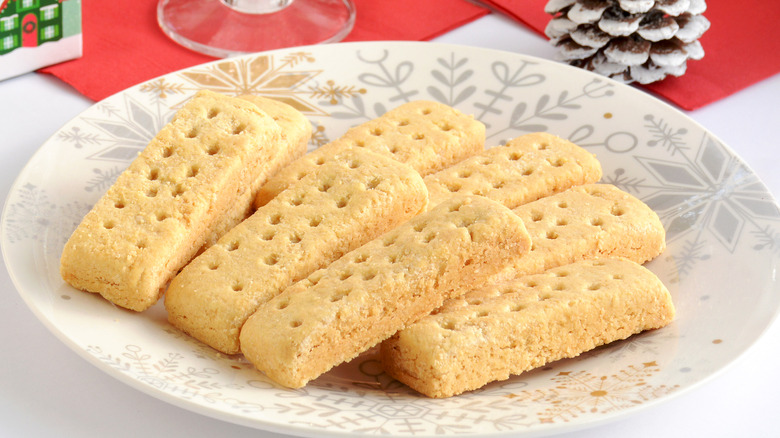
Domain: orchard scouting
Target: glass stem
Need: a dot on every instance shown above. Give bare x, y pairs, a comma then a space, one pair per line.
257, 6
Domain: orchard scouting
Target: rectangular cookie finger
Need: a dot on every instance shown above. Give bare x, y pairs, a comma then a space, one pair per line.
197, 171
527, 168
587, 222
347, 201
377, 289
428, 136
502, 330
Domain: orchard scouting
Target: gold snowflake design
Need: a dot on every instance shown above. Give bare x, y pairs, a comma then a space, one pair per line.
582, 392
284, 77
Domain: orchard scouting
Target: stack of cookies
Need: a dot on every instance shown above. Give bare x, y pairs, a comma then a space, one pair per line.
466, 264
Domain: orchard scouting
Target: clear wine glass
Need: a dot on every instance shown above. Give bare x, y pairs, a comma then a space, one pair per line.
223, 28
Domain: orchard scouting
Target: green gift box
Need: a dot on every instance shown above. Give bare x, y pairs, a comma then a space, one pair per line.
37, 33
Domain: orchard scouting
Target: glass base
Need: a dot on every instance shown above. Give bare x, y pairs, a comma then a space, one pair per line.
213, 28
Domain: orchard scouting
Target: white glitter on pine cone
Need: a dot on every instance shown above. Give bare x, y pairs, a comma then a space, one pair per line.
629, 40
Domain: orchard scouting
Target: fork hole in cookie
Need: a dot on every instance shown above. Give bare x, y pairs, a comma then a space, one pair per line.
282, 304
239, 129
213, 149
373, 183
268, 235
594, 286
426, 111
447, 325
119, 204
315, 222
482, 313
108, 224
561, 222
516, 307
342, 202
193, 171
178, 190
271, 259
514, 156
167, 152
617, 211
151, 193
597, 222
465, 173
161, 216
542, 146
369, 275
275, 219
499, 184
295, 238
528, 171
237, 286
213, 112
295, 323
232, 246
453, 187
319, 161
446, 127
213, 265
192, 133
324, 186
154, 173
296, 201
376, 131
537, 216
403, 122
429, 237
418, 136
388, 241
551, 235
558, 162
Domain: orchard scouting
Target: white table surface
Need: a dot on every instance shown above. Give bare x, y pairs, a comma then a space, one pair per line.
47, 390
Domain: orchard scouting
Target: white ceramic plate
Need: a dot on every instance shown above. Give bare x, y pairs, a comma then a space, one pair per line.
723, 240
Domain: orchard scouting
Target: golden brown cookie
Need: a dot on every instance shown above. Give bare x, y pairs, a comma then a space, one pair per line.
196, 172
527, 168
501, 330
377, 289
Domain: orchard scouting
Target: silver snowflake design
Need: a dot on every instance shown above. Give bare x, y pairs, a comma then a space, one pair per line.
711, 194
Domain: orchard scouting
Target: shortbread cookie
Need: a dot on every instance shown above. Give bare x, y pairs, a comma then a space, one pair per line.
194, 173
587, 222
295, 132
506, 329
527, 168
347, 201
370, 293
428, 136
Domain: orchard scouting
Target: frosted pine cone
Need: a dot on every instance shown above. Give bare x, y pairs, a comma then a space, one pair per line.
628, 40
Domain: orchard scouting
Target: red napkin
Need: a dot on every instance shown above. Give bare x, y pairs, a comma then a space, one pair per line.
741, 47
123, 45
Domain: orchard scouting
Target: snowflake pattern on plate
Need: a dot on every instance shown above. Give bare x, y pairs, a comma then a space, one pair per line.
716, 213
